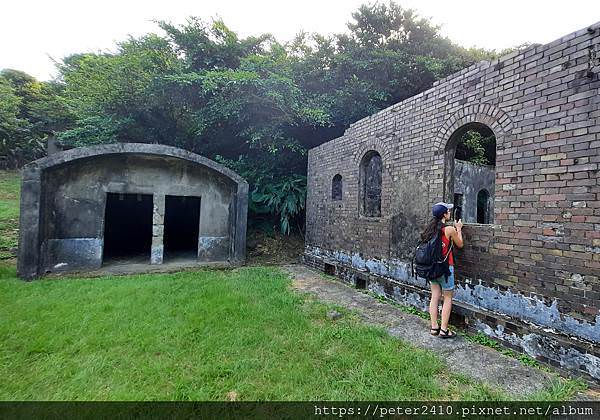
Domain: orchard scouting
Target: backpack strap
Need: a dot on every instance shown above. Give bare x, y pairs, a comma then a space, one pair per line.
449, 251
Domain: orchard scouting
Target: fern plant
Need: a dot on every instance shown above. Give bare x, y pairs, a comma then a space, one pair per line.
280, 197
284, 198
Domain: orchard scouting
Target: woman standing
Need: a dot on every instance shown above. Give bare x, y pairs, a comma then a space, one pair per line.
443, 285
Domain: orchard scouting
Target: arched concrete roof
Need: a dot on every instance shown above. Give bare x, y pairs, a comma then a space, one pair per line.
32, 251
133, 149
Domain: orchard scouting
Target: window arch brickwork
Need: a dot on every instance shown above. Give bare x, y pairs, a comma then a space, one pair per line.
485, 114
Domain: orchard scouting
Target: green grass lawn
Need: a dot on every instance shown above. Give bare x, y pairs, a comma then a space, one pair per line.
200, 335
9, 212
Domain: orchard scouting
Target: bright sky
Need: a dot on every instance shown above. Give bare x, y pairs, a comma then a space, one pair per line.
33, 31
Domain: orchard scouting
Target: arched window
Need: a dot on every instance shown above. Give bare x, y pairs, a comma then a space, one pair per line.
336, 188
370, 184
483, 205
470, 173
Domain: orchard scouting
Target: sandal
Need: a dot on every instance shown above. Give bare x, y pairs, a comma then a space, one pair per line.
447, 333
435, 331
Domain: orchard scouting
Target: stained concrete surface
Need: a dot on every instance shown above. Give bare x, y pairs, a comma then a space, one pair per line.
66, 197
469, 179
462, 357
125, 266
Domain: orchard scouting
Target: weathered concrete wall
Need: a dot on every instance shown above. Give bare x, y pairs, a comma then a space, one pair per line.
62, 227
392, 280
469, 179
542, 254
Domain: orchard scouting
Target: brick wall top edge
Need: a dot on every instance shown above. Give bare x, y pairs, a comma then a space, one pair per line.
565, 38
477, 66
538, 47
474, 68
366, 120
327, 144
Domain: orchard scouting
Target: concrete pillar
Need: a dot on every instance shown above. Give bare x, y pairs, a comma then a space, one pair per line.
214, 238
158, 229
28, 265
239, 228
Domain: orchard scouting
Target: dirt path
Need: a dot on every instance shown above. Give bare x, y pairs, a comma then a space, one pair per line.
463, 357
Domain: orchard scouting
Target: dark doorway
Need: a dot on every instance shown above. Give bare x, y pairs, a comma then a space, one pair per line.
128, 227
329, 269
458, 206
182, 224
483, 199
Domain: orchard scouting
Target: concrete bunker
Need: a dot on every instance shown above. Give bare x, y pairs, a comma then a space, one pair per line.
88, 208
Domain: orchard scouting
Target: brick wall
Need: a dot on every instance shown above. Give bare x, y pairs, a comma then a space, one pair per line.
543, 105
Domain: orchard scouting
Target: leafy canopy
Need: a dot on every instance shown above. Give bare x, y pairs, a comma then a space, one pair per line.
256, 103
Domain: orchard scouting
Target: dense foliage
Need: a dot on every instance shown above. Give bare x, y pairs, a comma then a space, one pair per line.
29, 111
477, 147
256, 103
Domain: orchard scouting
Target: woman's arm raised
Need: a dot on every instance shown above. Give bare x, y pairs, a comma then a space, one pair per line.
455, 233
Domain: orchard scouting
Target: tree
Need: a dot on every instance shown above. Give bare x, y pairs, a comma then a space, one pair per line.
29, 111
124, 93
11, 126
477, 147
254, 103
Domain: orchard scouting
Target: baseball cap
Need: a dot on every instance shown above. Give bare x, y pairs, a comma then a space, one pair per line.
439, 209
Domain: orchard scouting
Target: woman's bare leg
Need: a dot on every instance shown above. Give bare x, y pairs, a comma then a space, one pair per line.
436, 294
446, 308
